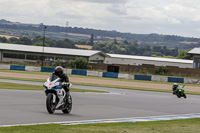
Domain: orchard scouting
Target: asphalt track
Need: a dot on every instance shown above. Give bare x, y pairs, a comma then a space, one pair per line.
27, 107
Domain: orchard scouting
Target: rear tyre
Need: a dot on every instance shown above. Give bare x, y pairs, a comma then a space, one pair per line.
50, 105
68, 105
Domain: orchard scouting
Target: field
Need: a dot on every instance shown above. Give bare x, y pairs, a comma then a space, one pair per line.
6, 36
84, 46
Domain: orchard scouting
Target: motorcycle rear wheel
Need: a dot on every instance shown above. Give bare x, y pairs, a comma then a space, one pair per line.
68, 105
49, 104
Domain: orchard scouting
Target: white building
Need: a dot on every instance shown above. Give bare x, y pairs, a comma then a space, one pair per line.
20, 53
196, 57
139, 60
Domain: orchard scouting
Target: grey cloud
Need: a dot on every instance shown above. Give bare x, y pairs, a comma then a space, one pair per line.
117, 10
103, 1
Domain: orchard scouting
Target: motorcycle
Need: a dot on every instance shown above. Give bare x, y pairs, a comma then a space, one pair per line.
57, 98
180, 92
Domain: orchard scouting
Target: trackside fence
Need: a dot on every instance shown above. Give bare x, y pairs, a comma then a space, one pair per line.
104, 74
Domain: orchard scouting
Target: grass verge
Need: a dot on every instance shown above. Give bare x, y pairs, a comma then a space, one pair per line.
133, 88
15, 86
99, 85
91, 77
172, 126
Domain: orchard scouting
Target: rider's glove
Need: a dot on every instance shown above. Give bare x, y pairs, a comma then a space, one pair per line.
65, 84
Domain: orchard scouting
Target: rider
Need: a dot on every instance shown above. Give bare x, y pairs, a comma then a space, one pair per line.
174, 87
63, 78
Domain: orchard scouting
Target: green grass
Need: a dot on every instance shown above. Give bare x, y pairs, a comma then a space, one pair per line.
35, 87
134, 88
27, 72
97, 85
15, 86
88, 77
172, 126
23, 79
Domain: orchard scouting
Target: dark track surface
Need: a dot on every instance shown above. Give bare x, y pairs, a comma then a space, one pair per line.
26, 107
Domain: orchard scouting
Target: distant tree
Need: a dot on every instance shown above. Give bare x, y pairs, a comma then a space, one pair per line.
92, 40
13, 40
65, 43
160, 70
40, 44
183, 55
115, 41
25, 41
38, 39
3, 39
79, 63
59, 62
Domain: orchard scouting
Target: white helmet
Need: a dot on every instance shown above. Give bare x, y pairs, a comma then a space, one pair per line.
175, 83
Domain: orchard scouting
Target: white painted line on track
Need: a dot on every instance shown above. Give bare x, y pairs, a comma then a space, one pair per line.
131, 119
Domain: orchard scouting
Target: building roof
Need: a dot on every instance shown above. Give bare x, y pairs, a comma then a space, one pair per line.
49, 50
150, 58
194, 51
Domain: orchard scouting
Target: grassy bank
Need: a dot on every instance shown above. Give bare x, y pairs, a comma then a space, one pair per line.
98, 85
15, 86
172, 126
80, 76
85, 84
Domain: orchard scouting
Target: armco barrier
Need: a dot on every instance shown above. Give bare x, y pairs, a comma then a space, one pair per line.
94, 73
110, 75
178, 80
159, 78
143, 77
47, 69
33, 69
4, 67
123, 76
68, 71
79, 72
191, 81
104, 74
14, 67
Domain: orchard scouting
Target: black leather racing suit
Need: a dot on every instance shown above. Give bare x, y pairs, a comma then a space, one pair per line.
64, 78
174, 88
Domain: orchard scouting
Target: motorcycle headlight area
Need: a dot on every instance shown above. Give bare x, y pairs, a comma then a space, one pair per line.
50, 85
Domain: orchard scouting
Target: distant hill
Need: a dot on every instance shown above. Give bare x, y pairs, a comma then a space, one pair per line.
74, 33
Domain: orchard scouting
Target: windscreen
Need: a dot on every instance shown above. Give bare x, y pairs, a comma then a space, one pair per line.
53, 77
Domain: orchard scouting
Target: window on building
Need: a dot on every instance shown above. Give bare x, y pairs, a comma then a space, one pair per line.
65, 59
33, 57
15, 56
96, 61
196, 63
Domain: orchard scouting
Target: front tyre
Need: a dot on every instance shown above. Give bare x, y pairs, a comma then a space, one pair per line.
178, 95
50, 104
184, 96
68, 105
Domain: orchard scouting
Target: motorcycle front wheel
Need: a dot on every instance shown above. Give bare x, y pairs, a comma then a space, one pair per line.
178, 95
50, 104
68, 105
184, 95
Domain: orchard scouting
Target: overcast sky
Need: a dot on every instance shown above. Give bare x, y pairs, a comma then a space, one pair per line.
167, 17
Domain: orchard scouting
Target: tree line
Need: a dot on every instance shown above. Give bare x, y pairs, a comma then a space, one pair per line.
132, 48
153, 37
114, 47
38, 41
